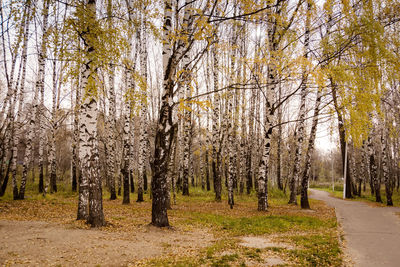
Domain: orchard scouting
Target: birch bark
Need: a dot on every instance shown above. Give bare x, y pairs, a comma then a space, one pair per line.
216, 147
29, 141
16, 124
91, 193
143, 153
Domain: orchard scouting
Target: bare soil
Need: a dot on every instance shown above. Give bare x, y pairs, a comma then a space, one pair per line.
35, 243
261, 242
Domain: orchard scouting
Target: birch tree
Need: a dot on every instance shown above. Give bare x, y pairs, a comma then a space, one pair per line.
143, 147
111, 121
91, 192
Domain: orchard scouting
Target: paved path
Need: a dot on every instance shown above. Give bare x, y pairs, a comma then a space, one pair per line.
372, 233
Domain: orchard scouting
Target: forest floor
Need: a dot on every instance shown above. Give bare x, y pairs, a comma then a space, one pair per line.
42, 231
372, 233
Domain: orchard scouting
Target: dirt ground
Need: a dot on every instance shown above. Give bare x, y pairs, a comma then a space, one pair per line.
34, 243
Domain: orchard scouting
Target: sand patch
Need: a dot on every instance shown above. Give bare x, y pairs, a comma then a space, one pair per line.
260, 242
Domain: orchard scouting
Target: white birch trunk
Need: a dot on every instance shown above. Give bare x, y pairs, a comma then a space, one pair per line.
91, 192
302, 114
40, 120
143, 147
53, 127
28, 150
216, 150
385, 167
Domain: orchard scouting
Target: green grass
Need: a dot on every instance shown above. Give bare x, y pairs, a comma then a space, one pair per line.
259, 225
317, 250
365, 196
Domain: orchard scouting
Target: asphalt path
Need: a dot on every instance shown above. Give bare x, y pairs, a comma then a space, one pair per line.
372, 233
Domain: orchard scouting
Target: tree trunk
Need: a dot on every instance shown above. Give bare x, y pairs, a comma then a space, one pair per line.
310, 149
342, 139
262, 177
230, 148
374, 172
304, 181
187, 129
300, 134
279, 143
126, 160
111, 119
28, 150
111, 136
143, 155
90, 190
250, 144
164, 129
171, 174
15, 122
75, 143
385, 168
216, 147
92, 167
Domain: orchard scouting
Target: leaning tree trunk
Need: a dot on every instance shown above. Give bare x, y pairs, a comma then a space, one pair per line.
310, 149
29, 141
300, 134
164, 132
10, 129
15, 122
304, 181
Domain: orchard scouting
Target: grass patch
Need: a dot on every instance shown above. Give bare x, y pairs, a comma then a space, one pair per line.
366, 195
317, 250
259, 225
